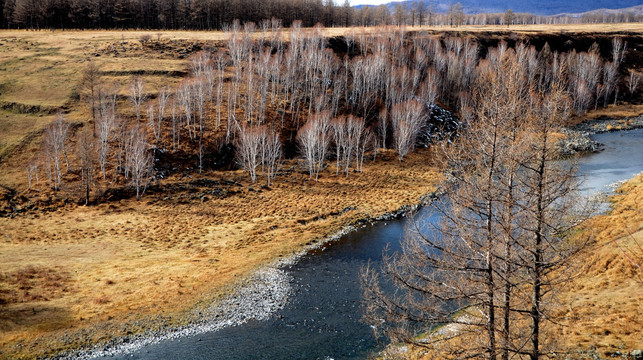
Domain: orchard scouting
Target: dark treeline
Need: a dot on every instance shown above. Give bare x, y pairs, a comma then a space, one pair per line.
164, 14
219, 14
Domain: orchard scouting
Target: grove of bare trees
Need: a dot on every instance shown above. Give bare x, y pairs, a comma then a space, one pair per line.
262, 98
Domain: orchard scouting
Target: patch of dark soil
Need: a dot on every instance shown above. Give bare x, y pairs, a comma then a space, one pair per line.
168, 73
20, 108
33, 283
181, 192
164, 49
342, 47
217, 155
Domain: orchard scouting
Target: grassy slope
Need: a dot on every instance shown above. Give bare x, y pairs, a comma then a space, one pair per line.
604, 305
40, 73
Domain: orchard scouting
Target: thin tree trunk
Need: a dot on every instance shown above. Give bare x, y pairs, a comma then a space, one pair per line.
537, 256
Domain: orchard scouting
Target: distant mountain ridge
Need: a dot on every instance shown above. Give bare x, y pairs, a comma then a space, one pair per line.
634, 10
542, 7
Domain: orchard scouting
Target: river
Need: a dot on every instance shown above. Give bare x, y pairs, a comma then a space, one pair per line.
322, 317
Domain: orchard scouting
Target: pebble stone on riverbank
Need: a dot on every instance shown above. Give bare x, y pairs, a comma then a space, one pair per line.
264, 293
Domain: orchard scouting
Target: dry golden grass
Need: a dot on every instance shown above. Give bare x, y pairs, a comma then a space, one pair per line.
17, 129
619, 111
40, 72
603, 306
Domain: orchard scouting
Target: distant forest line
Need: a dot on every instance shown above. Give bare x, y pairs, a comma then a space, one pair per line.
219, 14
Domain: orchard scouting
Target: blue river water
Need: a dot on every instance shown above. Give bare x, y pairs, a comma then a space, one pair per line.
322, 317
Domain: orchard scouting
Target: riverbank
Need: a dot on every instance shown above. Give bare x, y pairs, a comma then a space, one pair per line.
262, 294
259, 297
602, 307
129, 268
577, 138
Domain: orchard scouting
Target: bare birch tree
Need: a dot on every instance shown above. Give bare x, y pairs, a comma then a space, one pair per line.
633, 81
162, 101
248, 154
407, 120
104, 127
176, 129
54, 149
339, 139
382, 127
610, 80
185, 96
136, 95
121, 129
358, 138
220, 62
272, 155
152, 123
618, 54
32, 173
139, 160
313, 139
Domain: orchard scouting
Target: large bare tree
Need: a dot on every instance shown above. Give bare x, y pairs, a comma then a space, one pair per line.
551, 209
91, 82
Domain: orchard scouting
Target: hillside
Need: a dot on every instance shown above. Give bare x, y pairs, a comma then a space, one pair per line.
547, 7
634, 10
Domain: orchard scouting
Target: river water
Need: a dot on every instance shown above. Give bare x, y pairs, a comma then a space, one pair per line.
322, 317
